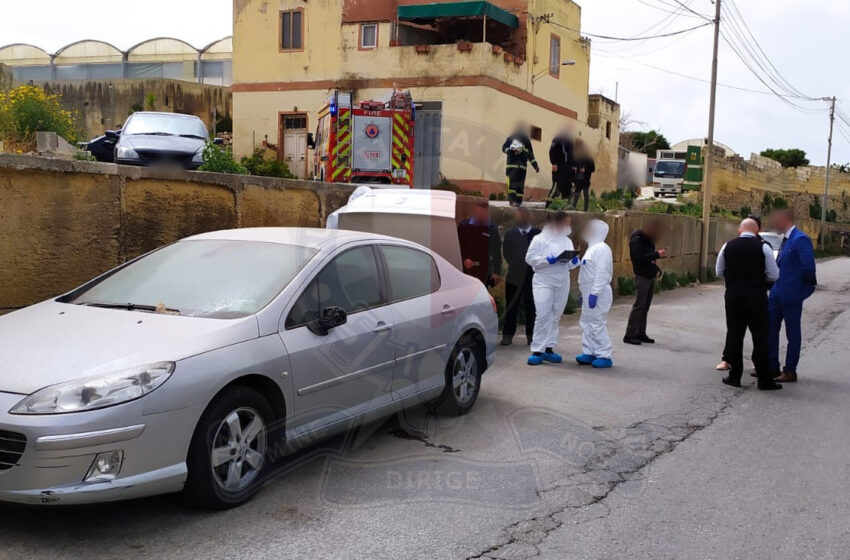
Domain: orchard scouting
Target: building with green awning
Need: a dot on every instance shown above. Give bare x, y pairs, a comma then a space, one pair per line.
427, 13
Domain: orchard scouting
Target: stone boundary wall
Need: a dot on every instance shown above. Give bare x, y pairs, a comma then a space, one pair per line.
63, 222
737, 183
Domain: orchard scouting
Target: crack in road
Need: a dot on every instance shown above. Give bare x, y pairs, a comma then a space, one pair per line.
422, 438
640, 444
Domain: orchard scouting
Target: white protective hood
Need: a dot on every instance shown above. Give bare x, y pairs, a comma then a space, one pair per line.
596, 232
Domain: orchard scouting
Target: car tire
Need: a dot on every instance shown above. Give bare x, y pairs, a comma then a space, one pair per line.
228, 453
463, 378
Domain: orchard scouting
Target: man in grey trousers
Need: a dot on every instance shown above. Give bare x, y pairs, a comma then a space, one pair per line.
644, 257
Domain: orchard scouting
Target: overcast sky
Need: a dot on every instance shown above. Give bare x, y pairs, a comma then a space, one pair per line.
806, 41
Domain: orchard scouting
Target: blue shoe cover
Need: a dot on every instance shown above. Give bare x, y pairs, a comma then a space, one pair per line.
552, 358
602, 363
535, 360
585, 359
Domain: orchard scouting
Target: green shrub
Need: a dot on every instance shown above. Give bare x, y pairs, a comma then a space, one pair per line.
626, 286
257, 164
220, 160
26, 110
572, 304
83, 155
558, 204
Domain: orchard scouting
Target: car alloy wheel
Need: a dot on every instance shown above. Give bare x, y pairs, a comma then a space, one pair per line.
238, 450
465, 376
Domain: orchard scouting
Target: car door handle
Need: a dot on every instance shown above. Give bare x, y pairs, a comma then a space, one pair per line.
448, 310
382, 328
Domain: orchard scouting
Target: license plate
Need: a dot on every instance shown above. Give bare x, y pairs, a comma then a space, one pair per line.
399, 173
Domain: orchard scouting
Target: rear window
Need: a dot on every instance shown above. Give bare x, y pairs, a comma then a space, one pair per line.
411, 273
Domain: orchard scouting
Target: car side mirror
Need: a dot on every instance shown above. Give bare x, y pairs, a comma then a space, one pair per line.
311, 141
112, 134
218, 141
332, 317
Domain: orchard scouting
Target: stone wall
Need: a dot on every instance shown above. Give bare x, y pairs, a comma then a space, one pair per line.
737, 183
5, 78
106, 104
63, 222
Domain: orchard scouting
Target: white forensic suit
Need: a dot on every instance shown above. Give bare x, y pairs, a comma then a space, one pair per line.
550, 285
597, 271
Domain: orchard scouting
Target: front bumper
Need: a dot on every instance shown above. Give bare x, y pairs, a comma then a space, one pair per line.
60, 449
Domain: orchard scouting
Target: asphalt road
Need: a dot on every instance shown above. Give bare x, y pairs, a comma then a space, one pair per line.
654, 458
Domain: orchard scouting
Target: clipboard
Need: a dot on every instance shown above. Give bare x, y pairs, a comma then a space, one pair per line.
568, 255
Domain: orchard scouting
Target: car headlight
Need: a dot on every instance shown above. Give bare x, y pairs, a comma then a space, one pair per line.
97, 391
124, 152
198, 158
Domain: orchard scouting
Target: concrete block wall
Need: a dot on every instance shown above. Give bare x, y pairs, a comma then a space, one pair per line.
63, 222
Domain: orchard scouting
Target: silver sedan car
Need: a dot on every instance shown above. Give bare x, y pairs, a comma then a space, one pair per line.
197, 365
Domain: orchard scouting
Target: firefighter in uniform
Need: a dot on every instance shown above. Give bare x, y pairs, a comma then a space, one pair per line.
519, 154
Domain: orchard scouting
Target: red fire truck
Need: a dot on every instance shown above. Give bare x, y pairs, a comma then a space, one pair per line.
371, 142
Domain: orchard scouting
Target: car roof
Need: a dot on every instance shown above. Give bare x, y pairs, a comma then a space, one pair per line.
166, 114
304, 237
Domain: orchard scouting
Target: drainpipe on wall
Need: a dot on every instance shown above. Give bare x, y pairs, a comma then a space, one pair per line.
52, 67
124, 58
200, 69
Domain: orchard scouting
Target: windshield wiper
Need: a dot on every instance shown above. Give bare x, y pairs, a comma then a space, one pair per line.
151, 134
192, 136
135, 307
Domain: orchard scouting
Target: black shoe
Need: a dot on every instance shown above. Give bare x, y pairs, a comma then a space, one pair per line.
769, 386
646, 339
507, 340
632, 340
732, 382
528, 341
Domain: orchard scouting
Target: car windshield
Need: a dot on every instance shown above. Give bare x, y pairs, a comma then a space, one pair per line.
201, 278
673, 169
166, 125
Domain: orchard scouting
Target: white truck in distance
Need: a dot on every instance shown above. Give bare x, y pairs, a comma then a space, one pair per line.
668, 177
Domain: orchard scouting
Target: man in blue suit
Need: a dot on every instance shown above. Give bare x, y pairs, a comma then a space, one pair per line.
797, 281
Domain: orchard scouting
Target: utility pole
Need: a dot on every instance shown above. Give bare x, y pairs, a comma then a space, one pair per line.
828, 165
706, 179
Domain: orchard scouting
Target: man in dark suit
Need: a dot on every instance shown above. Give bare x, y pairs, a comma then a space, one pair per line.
643, 255
480, 246
797, 281
518, 293
748, 266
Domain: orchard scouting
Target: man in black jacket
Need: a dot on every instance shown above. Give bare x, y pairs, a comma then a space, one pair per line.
643, 255
480, 246
519, 154
748, 265
518, 293
562, 158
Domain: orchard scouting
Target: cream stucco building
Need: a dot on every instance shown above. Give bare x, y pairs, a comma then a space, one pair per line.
473, 68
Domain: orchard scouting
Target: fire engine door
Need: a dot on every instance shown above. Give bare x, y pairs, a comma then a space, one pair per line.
372, 141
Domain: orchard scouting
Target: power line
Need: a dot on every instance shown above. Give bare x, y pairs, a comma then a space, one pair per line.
609, 54
785, 97
643, 38
737, 16
670, 8
691, 10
